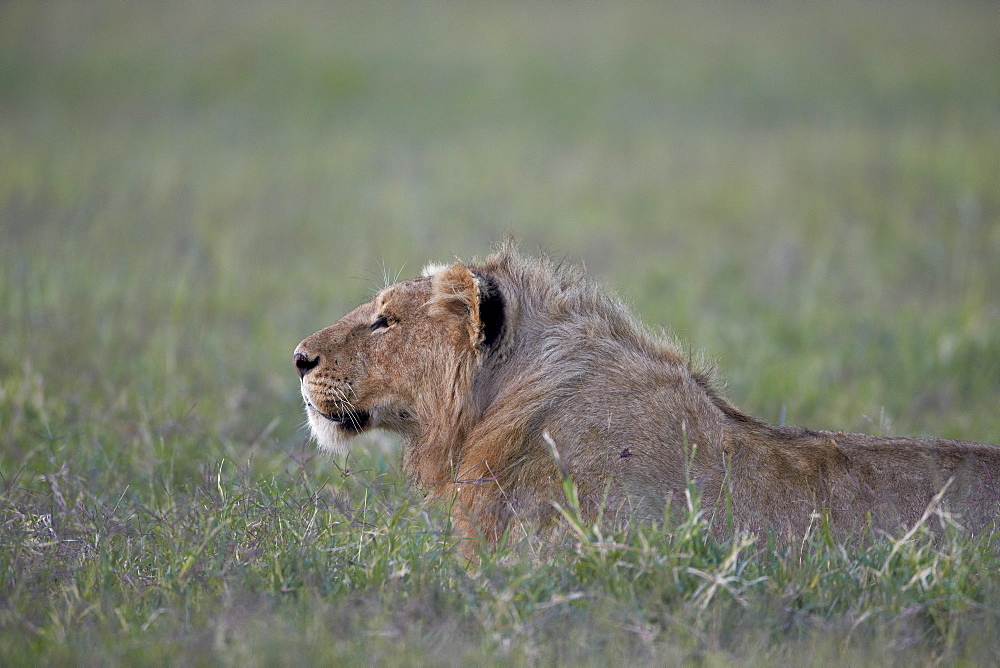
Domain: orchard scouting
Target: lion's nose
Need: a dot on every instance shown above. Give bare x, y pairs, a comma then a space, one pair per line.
304, 363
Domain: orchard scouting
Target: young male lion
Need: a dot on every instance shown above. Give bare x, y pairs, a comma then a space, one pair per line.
504, 374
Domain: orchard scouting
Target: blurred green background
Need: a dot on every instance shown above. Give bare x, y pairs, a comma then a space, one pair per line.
807, 192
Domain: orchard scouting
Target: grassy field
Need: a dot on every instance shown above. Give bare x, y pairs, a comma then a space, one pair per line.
809, 193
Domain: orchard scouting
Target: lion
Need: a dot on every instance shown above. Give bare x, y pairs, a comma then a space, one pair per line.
505, 375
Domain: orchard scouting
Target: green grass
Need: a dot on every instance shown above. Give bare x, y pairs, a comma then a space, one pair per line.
809, 194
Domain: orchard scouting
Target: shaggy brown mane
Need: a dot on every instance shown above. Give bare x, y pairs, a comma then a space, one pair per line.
482, 366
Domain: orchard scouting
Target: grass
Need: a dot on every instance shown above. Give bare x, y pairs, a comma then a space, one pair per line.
807, 193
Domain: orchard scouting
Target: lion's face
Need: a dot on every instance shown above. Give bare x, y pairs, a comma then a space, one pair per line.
379, 366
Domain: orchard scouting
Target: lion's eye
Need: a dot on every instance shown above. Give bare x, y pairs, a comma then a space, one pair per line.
380, 323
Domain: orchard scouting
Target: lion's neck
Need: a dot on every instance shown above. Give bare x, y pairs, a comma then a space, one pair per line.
432, 459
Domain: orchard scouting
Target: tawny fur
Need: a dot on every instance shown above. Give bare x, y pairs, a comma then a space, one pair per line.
479, 365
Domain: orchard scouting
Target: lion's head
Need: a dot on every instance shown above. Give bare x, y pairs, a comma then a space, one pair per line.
401, 360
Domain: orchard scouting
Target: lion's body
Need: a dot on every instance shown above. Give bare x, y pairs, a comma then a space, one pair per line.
485, 367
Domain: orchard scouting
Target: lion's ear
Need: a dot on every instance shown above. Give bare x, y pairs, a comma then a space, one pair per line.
455, 292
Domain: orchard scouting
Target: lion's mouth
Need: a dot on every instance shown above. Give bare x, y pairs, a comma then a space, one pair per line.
355, 420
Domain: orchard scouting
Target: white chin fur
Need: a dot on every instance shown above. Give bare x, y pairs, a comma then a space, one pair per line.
326, 433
